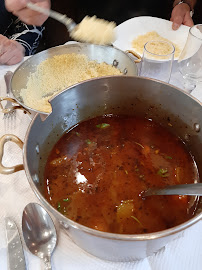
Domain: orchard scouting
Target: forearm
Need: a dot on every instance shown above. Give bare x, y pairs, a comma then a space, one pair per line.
30, 17
28, 36
12, 52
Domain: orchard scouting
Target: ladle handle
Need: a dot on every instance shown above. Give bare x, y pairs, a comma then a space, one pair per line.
70, 24
47, 261
186, 189
4, 139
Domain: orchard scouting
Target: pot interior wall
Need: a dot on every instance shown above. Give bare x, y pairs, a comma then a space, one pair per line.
170, 107
107, 54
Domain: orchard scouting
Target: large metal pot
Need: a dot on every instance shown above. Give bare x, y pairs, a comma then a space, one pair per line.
107, 54
173, 108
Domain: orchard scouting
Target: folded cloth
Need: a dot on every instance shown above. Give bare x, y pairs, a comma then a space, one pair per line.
15, 193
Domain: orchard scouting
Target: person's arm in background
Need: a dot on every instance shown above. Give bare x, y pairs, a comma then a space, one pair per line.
181, 13
30, 17
18, 41
28, 36
11, 51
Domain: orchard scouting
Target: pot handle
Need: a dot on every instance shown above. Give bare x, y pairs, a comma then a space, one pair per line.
17, 106
4, 139
139, 58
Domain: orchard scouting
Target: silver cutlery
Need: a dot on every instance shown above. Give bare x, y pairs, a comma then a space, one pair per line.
16, 259
186, 189
10, 112
68, 22
88, 25
39, 232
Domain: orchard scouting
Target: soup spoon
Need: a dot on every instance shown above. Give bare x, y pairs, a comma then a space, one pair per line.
39, 232
186, 189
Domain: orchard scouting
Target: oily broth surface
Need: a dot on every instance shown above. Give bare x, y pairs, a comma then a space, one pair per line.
96, 172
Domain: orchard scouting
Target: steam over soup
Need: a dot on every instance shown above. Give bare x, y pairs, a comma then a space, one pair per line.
96, 172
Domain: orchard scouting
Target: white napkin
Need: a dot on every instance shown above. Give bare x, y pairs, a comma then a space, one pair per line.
15, 193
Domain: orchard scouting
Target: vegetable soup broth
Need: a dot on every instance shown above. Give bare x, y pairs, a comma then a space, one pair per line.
97, 171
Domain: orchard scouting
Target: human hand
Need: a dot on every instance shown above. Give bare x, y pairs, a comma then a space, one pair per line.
181, 15
11, 51
30, 17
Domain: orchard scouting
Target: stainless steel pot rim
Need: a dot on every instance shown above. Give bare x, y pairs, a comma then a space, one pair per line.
76, 44
128, 237
125, 78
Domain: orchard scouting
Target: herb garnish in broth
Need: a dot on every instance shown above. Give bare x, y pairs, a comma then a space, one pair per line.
97, 171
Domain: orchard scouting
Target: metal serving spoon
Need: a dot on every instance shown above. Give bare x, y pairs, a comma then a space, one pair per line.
39, 232
187, 189
91, 30
68, 22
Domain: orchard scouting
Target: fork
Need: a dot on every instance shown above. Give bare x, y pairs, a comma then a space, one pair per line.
10, 112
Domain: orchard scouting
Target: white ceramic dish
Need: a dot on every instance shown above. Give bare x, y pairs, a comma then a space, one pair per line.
130, 29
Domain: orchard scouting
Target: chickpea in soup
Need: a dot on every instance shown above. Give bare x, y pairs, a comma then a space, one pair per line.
96, 172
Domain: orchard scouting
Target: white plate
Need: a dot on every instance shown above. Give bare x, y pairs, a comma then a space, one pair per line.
130, 29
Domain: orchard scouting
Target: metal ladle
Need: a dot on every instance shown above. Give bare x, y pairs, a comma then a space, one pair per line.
68, 22
186, 189
86, 31
39, 232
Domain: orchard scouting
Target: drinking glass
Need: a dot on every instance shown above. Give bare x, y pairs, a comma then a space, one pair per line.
157, 60
190, 60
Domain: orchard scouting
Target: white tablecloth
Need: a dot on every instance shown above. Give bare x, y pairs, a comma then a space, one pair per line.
184, 253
